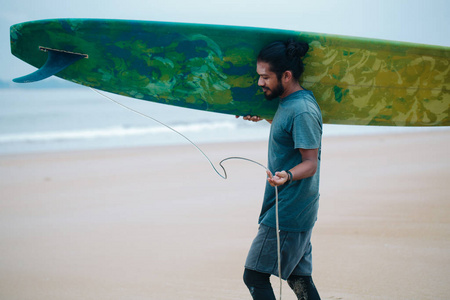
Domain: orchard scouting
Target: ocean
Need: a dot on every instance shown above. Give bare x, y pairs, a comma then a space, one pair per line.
65, 119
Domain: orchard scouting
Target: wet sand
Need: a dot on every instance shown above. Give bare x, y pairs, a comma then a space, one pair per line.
158, 223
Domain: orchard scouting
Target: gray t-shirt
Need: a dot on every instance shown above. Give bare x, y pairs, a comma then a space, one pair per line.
297, 125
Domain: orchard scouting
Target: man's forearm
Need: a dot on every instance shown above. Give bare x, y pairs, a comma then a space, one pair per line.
305, 169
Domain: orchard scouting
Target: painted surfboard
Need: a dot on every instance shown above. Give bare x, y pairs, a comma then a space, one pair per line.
213, 68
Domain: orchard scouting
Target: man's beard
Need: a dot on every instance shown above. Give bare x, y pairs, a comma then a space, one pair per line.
275, 93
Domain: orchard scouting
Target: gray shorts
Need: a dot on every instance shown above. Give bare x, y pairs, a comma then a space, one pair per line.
296, 258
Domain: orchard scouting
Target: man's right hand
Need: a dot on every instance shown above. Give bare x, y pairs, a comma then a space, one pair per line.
253, 118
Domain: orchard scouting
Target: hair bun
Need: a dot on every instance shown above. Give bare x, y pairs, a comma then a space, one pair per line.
296, 49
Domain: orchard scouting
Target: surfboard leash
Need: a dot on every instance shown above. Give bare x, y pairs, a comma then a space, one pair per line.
224, 176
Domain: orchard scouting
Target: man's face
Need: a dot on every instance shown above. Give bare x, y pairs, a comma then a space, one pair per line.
272, 87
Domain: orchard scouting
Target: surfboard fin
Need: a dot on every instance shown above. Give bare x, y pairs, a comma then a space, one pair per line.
57, 61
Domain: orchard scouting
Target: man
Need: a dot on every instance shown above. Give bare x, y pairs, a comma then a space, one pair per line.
294, 164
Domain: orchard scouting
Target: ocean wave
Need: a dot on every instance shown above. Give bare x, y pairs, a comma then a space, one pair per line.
111, 132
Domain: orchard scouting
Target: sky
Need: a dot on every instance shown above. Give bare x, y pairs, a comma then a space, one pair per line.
425, 22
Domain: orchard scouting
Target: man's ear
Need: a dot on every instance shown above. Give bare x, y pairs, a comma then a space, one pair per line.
287, 76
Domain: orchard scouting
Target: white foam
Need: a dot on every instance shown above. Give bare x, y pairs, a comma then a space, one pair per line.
111, 132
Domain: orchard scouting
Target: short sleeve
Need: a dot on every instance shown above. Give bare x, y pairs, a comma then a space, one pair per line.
306, 131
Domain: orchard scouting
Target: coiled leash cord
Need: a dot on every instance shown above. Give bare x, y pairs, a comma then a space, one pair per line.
224, 176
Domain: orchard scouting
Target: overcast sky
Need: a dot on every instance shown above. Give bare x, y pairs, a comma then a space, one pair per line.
426, 22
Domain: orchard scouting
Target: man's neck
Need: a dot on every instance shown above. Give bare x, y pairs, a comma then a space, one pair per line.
291, 89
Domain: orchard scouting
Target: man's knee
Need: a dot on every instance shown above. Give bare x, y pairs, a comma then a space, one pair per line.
259, 285
256, 279
303, 287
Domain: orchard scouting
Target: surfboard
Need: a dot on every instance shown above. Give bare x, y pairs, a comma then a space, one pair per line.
213, 68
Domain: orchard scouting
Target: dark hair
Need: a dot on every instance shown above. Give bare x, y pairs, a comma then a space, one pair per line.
285, 56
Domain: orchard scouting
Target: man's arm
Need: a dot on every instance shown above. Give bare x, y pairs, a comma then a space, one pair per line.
305, 169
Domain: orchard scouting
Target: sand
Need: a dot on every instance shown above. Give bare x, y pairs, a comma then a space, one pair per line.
158, 223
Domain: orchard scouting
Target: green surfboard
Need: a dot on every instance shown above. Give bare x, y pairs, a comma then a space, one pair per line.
213, 68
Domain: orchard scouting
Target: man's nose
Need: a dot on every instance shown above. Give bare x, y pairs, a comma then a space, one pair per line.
260, 82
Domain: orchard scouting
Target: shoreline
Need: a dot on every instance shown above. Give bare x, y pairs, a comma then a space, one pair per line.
331, 131
158, 223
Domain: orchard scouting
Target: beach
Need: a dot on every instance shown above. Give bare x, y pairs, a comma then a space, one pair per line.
158, 222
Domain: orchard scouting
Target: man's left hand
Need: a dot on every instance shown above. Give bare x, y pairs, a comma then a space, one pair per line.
278, 179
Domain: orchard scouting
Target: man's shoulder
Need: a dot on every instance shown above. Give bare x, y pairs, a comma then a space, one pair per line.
304, 102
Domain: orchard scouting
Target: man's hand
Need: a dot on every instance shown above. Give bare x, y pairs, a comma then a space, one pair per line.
253, 118
280, 178
250, 118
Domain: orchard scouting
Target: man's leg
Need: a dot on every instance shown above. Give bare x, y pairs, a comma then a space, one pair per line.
259, 285
303, 287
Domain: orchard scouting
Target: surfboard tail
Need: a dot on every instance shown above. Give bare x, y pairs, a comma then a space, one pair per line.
57, 61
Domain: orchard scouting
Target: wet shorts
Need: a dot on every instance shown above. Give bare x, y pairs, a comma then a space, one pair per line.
296, 250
